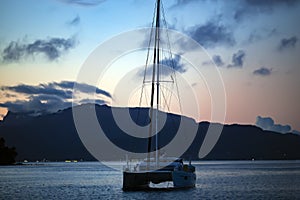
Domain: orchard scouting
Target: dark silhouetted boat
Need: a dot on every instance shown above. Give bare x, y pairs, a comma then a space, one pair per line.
158, 169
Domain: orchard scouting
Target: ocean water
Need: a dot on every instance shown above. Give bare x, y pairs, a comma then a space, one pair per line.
91, 180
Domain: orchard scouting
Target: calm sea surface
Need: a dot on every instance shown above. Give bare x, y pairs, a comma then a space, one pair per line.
91, 180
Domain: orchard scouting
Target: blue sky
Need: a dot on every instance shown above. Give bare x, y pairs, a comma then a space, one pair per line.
254, 43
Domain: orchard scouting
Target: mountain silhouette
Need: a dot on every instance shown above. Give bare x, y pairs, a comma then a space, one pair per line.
54, 137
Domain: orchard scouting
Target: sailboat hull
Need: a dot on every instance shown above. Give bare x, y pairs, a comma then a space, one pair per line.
182, 179
141, 180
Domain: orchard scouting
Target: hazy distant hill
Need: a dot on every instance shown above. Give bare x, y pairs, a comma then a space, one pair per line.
54, 137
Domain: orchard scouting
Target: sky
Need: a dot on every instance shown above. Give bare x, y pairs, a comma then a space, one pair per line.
253, 43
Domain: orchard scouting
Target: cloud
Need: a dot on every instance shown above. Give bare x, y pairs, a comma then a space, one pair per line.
50, 97
296, 132
270, 3
180, 3
252, 7
238, 59
267, 123
167, 67
261, 34
185, 45
93, 101
83, 2
262, 71
52, 48
62, 89
7, 95
37, 90
174, 63
82, 87
218, 60
36, 105
212, 34
75, 21
288, 43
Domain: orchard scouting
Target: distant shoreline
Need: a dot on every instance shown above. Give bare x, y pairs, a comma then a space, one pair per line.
117, 161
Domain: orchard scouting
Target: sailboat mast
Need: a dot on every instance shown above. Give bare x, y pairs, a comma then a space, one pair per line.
155, 72
157, 80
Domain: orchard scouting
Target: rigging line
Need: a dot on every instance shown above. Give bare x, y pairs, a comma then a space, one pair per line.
146, 97
179, 99
146, 65
147, 58
169, 47
164, 17
165, 100
169, 93
174, 78
172, 118
170, 97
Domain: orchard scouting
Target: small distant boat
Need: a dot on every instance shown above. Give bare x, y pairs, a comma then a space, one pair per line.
158, 169
68, 161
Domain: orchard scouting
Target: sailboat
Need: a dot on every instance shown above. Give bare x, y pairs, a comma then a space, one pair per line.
158, 168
